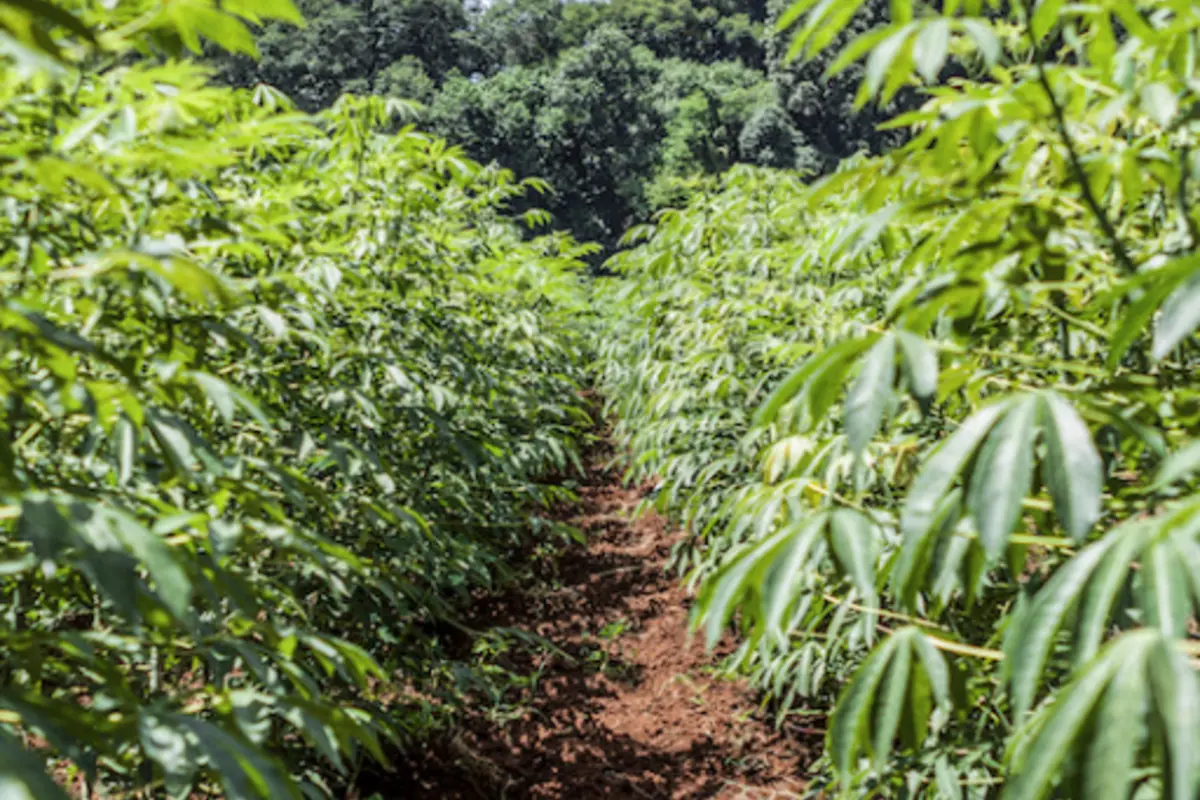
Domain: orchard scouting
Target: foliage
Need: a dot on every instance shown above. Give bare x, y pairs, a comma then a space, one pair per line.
354, 47
278, 394
769, 140
822, 105
598, 99
704, 31
932, 422
561, 123
609, 126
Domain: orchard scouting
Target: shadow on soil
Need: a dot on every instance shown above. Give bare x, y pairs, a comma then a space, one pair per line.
627, 707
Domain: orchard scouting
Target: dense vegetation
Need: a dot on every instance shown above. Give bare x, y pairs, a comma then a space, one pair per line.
621, 106
932, 422
282, 392
278, 393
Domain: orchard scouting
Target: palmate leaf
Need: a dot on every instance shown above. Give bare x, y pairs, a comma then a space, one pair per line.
882, 64
766, 578
870, 393
245, 772
172, 749
1167, 589
800, 378
1045, 17
1170, 284
948, 562
719, 597
854, 542
1165, 583
901, 681
920, 365
1138, 680
931, 48
787, 576
938, 473
1108, 770
819, 380
1003, 470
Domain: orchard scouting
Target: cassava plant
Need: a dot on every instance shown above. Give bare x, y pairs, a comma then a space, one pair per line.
932, 422
277, 393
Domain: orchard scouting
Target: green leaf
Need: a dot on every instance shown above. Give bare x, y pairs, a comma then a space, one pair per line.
888, 696
1123, 544
799, 379
171, 580
1030, 777
1072, 470
282, 10
54, 15
172, 437
219, 393
1028, 643
938, 473
275, 323
934, 665
717, 604
889, 702
852, 538
168, 747
921, 366
946, 780
917, 554
870, 393
1152, 288
787, 573
21, 774
882, 58
1160, 103
1176, 713
1179, 465
1112, 751
1179, 318
1164, 592
985, 38
1046, 17
855, 51
244, 772
1002, 476
850, 718
43, 525
931, 47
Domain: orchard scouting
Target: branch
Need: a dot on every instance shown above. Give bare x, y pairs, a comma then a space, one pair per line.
1060, 118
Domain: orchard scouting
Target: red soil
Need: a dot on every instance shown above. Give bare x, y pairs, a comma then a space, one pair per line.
638, 715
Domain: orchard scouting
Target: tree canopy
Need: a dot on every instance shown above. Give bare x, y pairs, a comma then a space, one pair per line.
619, 105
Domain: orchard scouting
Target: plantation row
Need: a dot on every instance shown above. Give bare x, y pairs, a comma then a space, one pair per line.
279, 392
283, 394
932, 422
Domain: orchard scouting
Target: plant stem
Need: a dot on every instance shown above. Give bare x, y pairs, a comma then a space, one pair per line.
1060, 119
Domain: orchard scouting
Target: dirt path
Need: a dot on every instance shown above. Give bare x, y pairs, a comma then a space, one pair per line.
633, 712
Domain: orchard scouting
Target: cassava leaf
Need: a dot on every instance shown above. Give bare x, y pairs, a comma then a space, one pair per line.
938, 473
1002, 475
1072, 469
868, 397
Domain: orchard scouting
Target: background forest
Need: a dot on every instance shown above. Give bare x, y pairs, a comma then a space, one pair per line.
620, 106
